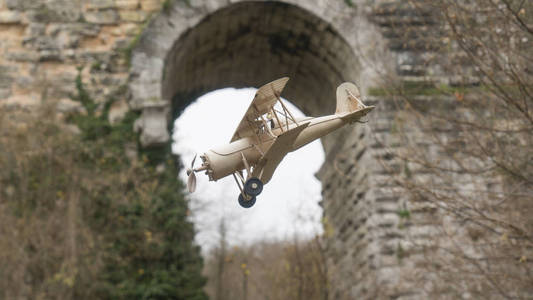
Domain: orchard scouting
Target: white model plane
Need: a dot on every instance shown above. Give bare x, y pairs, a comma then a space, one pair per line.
267, 133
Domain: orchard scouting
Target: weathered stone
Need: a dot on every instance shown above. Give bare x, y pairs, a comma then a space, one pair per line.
55, 11
80, 29
133, 15
24, 81
41, 43
127, 4
152, 125
151, 5
50, 55
4, 93
22, 4
23, 56
35, 30
202, 45
69, 54
6, 75
9, 17
117, 111
91, 55
42, 14
131, 29
67, 10
66, 105
66, 40
101, 4
121, 44
104, 17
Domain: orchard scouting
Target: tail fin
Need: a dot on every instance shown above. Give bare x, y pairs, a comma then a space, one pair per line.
348, 99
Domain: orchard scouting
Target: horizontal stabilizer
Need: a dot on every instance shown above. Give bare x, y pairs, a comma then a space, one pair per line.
356, 115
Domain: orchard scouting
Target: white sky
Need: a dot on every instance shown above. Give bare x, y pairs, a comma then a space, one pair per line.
288, 204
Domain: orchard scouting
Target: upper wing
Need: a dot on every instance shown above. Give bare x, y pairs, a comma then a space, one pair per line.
265, 97
282, 145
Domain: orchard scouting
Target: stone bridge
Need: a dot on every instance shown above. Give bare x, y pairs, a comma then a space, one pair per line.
158, 56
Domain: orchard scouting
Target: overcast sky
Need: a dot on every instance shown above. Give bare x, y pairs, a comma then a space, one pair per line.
288, 204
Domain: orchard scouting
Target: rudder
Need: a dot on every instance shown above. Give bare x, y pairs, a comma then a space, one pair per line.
348, 99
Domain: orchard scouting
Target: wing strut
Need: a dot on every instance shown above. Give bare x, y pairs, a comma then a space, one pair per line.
267, 127
287, 111
277, 119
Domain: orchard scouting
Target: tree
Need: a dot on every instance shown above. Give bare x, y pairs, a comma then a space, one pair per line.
269, 270
91, 217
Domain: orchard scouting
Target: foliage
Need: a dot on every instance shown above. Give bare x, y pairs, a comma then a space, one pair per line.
84, 216
269, 270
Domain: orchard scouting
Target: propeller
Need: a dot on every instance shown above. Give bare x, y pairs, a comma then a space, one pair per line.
191, 181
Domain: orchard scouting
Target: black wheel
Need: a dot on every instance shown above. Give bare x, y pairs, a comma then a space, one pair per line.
246, 203
253, 186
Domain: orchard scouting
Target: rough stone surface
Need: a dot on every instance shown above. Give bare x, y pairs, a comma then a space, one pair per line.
192, 47
9, 17
102, 17
153, 124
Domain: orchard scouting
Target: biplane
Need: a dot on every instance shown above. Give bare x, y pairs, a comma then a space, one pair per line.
266, 133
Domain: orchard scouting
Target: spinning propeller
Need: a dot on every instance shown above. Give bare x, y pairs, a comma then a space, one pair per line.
191, 181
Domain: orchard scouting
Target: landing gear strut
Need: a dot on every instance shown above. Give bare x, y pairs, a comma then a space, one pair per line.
250, 189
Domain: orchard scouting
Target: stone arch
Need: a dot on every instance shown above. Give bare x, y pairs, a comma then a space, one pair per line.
188, 51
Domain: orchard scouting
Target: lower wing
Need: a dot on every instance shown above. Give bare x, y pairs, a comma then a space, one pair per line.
271, 159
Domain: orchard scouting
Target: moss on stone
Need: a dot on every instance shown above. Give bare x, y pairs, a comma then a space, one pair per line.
404, 213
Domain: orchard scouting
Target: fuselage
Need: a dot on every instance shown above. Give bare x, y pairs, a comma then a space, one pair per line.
224, 160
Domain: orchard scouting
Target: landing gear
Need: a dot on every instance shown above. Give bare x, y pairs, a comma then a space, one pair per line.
253, 186
250, 188
246, 203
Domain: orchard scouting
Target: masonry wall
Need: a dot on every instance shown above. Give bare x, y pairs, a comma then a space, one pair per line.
43, 45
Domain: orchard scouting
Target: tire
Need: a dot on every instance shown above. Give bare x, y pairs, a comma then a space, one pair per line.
253, 186
246, 203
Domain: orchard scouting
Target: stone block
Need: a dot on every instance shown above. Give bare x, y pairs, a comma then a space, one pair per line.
103, 17
9, 17
6, 78
117, 111
22, 4
66, 105
153, 125
5, 93
23, 56
55, 11
151, 5
50, 55
75, 29
131, 29
35, 30
101, 4
127, 4
40, 43
133, 16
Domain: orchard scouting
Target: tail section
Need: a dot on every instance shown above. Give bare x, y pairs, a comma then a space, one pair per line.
348, 99
349, 105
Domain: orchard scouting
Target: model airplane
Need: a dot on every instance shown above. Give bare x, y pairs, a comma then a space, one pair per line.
267, 133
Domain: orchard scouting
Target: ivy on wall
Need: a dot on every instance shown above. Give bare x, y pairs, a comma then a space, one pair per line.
93, 216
